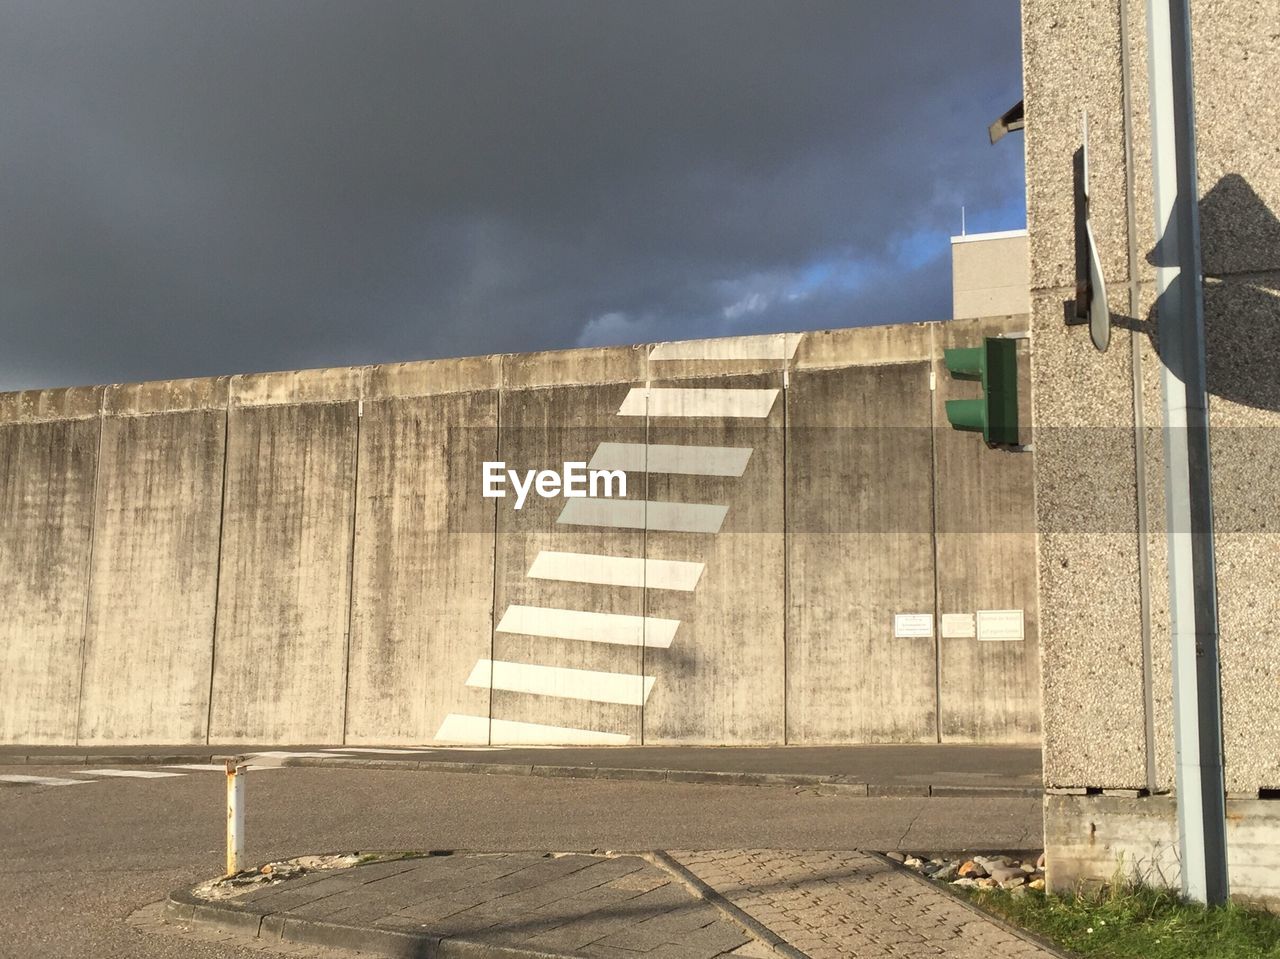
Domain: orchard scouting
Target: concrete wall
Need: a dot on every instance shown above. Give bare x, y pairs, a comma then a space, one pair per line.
307, 557
48, 474
1099, 467
154, 576
280, 647
855, 433
423, 574
989, 274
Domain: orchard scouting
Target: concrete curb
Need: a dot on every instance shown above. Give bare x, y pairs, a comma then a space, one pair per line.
708, 894
828, 785
1023, 934
181, 907
80, 759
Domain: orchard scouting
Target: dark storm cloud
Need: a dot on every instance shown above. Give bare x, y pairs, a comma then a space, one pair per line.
190, 188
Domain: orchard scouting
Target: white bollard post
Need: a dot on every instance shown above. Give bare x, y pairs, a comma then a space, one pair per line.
236, 773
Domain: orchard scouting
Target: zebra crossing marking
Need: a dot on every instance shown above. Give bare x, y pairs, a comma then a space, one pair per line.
620, 629
562, 682
687, 460
641, 514
680, 402
616, 570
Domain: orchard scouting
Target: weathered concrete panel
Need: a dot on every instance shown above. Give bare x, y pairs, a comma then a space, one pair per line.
38, 406
1089, 838
721, 680
985, 506
298, 386
429, 377
864, 346
280, 649
153, 587
167, 396
860, 550
542, 429
423, 588
47, 477
606, 364
723, 356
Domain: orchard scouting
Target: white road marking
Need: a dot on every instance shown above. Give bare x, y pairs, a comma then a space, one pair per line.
698, 401
641, 514
625, 689
668, 458
616, 570
42, 781
617, 628
768, 346
476, 729
130, 773
215, 767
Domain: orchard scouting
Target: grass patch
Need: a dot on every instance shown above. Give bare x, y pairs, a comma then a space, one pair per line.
1136, 922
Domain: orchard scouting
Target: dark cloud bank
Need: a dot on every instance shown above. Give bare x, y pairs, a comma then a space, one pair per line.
195, 188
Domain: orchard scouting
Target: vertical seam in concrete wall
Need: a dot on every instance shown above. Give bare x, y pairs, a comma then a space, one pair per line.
644, 550
786, 556
88, 577
493, 588
351, 567
1139, 426
933, 536
217, 567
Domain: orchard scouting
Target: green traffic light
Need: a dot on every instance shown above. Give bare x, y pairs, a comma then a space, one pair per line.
995, 414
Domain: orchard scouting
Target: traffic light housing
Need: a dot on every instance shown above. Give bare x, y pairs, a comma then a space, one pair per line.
995, 413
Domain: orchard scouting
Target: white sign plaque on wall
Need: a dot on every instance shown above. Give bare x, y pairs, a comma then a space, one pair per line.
910, 625
958, 626
1000, 625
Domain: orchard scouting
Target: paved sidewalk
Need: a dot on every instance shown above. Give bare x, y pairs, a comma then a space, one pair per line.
528, 903
836, 904
681, 905
875, 770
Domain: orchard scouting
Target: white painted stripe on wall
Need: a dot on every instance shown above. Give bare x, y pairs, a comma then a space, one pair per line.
132, 773
690, 401
625, 689
42, 781
642, 514
457, 728
666, 458
768, 346
470, 729
616, 570
620, 629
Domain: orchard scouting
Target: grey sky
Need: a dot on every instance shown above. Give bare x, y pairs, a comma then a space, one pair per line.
190, 188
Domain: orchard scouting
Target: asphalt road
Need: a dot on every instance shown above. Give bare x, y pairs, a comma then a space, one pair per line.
76, 860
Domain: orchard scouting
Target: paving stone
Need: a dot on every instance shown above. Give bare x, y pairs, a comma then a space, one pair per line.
851, 903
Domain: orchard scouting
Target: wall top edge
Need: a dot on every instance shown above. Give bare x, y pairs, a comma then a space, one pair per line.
995, 235
754, 353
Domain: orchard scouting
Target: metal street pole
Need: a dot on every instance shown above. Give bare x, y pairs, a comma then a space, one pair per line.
1193, 595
